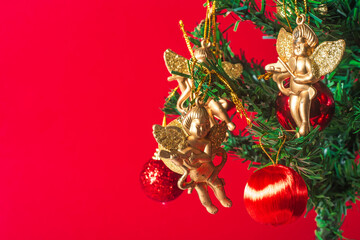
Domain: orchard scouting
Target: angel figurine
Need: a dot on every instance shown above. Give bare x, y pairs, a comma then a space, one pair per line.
191, 144
175, 62
305, 63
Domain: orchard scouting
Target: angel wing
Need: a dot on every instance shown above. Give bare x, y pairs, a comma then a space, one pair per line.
170, 142
217, 135
233, 70
326, 57
284, 45
175, 62
170, 137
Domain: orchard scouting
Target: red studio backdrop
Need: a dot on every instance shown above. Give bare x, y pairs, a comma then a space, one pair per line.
81, 84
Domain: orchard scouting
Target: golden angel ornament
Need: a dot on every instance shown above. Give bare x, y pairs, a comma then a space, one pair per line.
190, 144
303, 61
177, 63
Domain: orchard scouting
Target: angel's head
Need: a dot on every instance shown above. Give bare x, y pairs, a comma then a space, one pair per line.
197, 121
304, 40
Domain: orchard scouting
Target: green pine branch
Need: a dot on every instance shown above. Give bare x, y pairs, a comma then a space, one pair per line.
325, 159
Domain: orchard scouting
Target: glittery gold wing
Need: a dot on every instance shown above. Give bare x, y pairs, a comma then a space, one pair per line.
170, 137
284, 45
217, 135
233, 70
172, 125
175, 62
326, 57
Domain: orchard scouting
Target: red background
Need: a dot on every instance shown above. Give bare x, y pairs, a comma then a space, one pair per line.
81, 83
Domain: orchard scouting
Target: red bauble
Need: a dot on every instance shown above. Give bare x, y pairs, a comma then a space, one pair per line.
159, 182
321, 111
275, 195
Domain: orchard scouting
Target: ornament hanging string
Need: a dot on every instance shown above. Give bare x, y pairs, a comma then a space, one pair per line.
286, 18
206, 22
277, 155
305, 10
210, 22
214, 23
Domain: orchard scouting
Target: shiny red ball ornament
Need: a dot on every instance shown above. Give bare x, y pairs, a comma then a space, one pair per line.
275, 195
321, 111
159, 182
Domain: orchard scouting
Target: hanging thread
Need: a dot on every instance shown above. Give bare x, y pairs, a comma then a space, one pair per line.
278, 153
286, 16
305, 10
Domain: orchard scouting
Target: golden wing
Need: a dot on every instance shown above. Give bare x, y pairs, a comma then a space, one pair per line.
172, 126
175, 62
170, 137
284, 45
217, 135
233, 70
326, 57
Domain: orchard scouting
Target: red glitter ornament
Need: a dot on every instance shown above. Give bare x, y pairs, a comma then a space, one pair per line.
159, 182
275, 195
321, 111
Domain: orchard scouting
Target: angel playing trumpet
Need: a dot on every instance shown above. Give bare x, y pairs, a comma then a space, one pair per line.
301, 60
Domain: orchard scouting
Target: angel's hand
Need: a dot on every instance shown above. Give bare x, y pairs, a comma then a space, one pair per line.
175, 158
269, 68
192, 157
273, 69
191, 165
287, 91
298, 79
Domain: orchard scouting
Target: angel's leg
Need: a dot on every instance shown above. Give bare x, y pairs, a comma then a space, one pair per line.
305, 104
294, 109
219, 112
217, 186
204, 197
184, 96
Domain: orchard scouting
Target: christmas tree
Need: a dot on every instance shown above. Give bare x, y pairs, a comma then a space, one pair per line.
326, 156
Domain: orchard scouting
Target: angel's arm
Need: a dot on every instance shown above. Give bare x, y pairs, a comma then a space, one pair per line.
221, 152
279, 79
181, 81
183, 97
308, 77
199, 156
